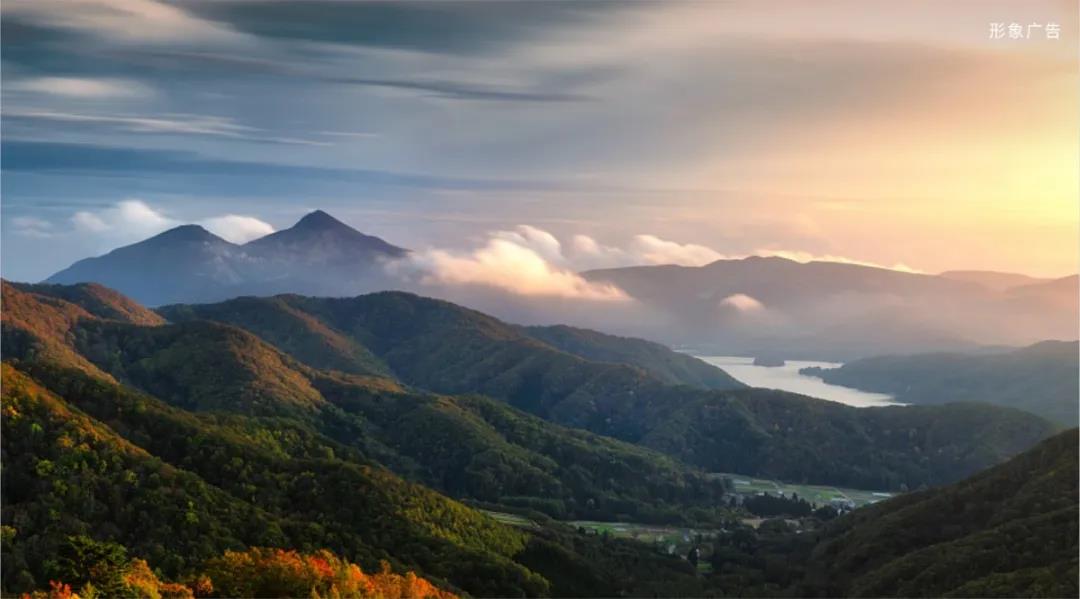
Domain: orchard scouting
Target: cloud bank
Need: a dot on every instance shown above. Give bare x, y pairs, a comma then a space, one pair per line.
642, 249
525, 261
136, 219
531, 261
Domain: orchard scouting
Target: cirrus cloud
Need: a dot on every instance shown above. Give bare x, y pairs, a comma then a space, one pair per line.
84, 87
145, 21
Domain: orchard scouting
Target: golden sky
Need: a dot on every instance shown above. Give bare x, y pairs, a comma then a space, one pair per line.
881, 131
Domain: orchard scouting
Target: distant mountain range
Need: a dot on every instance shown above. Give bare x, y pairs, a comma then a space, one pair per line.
707, 419
753, 306
318, 255
778, 307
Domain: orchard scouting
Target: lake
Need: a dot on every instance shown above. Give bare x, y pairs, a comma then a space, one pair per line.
787, 378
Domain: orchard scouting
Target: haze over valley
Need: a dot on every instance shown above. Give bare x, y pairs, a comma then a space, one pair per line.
750, 306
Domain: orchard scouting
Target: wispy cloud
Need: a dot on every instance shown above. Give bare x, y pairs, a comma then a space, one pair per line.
167, 124
29, 226
642, 249
465, 91
83, 87
145, 21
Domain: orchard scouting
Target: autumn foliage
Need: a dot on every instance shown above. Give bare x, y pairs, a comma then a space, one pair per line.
267, 572
258, 572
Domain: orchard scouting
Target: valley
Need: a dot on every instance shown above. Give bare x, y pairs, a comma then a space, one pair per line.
408, 406
515, 299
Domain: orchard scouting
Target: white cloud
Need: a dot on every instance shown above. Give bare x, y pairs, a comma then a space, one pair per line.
742, 303
30, 226
589, 253
89, 222
79, 87
237, 228
132, 220
537, 240
654, 250
523, 261
129, 218
144, 21
642, 249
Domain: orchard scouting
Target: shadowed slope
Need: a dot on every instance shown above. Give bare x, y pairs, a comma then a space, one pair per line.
445, 348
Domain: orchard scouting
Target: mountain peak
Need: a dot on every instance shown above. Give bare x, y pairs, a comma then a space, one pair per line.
190, 233
319, 220
322, 235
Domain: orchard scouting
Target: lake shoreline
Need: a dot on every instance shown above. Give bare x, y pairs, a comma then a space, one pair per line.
788, 378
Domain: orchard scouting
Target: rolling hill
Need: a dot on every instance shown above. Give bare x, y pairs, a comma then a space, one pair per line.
659, 361
254, 464
444, 348
1041, 379
180, 441
1010, 531
470, 447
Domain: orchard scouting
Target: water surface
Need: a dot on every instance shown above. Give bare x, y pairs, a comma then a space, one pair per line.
787, 378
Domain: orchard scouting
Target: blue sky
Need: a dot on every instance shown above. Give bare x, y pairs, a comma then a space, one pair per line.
740, 127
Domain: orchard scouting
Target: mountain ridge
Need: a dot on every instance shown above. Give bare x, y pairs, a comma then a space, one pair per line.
188, 262
444, 348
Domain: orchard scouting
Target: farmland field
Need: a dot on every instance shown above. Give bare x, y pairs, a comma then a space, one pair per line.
818, 494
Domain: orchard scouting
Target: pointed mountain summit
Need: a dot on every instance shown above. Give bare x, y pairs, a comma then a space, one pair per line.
319, 220
319, 255
185, 262
184, 234
319, 237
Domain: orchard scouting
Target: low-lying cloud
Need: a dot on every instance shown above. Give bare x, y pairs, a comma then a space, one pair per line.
642, 249
135, 220
525, 261
530, 261
237, 228
742, 303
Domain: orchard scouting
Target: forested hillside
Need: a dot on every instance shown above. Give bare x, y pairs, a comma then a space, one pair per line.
171, 452
1010, 531
663, 364
1043, 379
445, 348
471, 447
87, 459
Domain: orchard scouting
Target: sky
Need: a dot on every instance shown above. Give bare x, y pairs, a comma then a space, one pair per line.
584, 134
